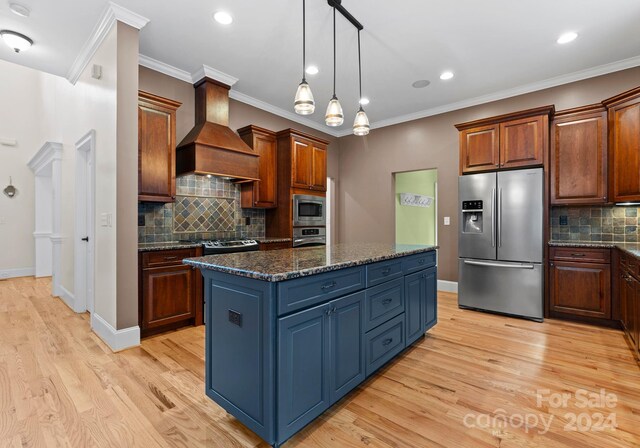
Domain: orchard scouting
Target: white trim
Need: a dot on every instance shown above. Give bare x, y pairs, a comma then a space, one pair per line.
49, 152
67, 297
18, 272
116, 339
447, 286
166, 69
210, 72
42, 235
112, 13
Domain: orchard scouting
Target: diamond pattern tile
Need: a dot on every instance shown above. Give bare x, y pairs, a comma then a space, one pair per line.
197, 214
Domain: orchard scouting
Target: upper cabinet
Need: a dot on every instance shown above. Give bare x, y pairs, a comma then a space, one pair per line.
579, 156
307, 157
515, 140
624, 146
264, 193
156, 148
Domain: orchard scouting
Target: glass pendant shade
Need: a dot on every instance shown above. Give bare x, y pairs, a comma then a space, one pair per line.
303, 103
334, 115
361, 123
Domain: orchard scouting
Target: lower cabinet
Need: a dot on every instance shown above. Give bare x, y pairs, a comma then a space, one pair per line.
629, 296
421, 308
320, 359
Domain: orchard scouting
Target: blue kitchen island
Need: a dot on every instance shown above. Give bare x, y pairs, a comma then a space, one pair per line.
290, 332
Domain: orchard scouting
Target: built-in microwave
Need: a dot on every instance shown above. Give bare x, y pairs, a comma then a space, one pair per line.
308, 210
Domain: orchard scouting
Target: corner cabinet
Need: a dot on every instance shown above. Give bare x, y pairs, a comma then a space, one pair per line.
156, 148
509, 141
264, 193
624, 146
579, 156
308, 159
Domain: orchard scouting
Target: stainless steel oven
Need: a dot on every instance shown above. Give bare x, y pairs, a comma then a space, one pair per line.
309, 210
309, 236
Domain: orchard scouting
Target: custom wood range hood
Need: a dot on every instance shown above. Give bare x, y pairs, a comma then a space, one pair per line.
211, 147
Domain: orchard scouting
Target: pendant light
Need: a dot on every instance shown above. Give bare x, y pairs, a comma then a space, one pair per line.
303, 103
361, 123
334, 115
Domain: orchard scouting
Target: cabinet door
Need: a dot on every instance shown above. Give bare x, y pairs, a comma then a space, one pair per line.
479, 149
431, 303
622, 294
301, 164
579, 159
156, 149
262, 194
168, 295
347, 344
632, 309
319, 168
582, 289
636, 313
303, 360
522, 142
625, 146
415, 287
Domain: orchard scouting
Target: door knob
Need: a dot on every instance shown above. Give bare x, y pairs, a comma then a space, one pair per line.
86, 238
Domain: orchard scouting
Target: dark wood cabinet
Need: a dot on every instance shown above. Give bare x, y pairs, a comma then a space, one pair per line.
264, 193
170, 292
579, 156
301, 163
580, 283
624, 146
509, 141
156, 148
628, 289
319, 168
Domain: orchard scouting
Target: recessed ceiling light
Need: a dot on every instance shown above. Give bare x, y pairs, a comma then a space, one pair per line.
224, 18
16, 41
19, 9
446, 75
567, 37
312, 70
364, 101
421, 83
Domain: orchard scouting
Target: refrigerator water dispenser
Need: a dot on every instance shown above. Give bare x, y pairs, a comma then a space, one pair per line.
472, 217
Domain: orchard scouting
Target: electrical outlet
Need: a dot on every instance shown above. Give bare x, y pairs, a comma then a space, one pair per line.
141, 221
235, 318
247, 221
447, 220
564, 220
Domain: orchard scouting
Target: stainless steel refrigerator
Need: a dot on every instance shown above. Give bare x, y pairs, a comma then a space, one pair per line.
500, 244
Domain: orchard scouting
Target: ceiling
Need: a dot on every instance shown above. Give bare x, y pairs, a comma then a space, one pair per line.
496, 48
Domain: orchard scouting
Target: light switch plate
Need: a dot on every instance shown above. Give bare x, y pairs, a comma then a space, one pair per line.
447, 220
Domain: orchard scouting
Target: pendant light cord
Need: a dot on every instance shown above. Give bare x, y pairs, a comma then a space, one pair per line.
304, 39
334, 51
359, 70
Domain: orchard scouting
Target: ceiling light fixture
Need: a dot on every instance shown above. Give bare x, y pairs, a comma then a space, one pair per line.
303, 103
361, 122
16, 41
20, 10
223, 18
312, 70
334, 116
567, 37
446, 75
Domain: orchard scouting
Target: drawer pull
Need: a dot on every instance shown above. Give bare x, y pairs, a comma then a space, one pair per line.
387, 271
577, 255
328, 285
386, 302
170, 258
387, 341
421, 261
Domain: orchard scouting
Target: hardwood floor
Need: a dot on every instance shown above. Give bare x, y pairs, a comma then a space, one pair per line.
61, 386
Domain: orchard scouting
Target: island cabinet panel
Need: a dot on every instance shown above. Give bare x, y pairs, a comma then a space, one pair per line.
384, 302
431, 308
385, 342
383, 271
416, 294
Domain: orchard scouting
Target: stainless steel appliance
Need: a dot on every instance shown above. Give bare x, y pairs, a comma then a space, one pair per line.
309, 236
500, 244
228, 246
309, 210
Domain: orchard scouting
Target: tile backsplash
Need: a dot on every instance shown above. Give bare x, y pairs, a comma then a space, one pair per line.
607, 223
205, 208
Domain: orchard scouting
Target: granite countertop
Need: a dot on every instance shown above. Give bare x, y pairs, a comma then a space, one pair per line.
630, 248
168, 245
285, 264
273, 240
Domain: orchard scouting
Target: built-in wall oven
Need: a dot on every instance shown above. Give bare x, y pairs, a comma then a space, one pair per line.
309, 236
308, 210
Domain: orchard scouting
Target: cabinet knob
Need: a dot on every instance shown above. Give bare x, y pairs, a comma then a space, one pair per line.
387, 341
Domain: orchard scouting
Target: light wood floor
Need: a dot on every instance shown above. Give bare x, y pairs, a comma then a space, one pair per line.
61, 386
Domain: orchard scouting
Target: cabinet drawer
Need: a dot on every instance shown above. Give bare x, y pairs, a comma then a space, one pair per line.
383, 302
166, 257
587, 255
306, 291
419, 262
383, 272
384, 343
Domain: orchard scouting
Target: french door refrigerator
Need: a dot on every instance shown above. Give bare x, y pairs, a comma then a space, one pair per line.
500, 244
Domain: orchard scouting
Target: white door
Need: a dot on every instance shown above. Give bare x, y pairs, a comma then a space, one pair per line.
84, 232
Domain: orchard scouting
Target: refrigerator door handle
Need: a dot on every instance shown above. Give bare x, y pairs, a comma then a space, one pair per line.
500, 217
499, 265
493, 217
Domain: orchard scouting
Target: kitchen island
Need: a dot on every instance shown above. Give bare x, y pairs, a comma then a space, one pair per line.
290, 332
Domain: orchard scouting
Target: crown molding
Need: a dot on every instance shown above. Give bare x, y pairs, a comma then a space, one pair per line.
509, 93
166, 69
209, 72
112, 13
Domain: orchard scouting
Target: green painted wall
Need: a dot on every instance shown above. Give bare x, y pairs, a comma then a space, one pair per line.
416, 225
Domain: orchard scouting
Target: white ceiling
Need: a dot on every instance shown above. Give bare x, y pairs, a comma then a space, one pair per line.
496, 48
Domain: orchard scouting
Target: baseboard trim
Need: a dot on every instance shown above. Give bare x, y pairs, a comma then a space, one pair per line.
117, 340
447, 286
67, 297
15, 273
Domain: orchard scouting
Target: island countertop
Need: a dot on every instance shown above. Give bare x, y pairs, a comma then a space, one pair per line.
285, 264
